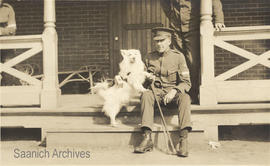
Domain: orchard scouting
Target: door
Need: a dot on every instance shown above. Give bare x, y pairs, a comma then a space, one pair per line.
130, 27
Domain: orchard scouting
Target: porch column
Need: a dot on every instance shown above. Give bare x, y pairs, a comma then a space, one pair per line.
50, 90
207, 88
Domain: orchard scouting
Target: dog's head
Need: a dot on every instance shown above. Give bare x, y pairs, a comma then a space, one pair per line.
131, 56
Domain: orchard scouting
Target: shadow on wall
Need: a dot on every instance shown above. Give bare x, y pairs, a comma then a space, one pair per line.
245, 132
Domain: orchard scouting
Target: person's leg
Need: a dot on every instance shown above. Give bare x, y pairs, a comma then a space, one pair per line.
147, 113
184, 113
184, 117
147, 109
191, 44
178, 43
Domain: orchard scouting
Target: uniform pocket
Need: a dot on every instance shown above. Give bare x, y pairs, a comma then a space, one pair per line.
172, 77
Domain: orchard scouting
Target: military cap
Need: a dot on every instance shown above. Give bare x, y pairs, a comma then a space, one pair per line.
161, 33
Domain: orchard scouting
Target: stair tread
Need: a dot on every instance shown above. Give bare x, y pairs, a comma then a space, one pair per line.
93, 103
108, 128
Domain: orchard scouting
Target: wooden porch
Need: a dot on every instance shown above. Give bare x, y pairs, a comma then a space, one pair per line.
214, 89
222, 101
80, 115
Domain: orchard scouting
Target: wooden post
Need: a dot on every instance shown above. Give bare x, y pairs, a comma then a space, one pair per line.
207, 88
50, 90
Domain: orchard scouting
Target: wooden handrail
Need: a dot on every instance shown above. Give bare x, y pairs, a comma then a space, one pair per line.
243, 33
246, 28
20, 42
22, 37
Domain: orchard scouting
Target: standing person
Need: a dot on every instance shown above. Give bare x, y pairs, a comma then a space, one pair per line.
7, 19
172, 82
7, 28
184, 16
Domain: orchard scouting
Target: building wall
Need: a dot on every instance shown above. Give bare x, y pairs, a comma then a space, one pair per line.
82, 28
244, 13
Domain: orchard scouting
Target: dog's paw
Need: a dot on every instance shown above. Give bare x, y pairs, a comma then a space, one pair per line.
115, 123
150, 76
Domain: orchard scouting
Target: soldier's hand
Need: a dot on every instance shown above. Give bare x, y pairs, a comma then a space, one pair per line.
219, 26
169, 96
150, 76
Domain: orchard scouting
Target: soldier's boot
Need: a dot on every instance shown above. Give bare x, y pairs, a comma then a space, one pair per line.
147, 144
182, 145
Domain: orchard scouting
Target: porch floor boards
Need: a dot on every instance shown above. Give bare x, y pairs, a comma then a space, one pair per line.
93, 103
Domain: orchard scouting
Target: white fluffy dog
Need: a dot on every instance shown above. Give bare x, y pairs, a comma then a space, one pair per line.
115, 97
132, 69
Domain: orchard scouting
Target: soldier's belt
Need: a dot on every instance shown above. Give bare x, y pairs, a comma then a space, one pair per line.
159, 84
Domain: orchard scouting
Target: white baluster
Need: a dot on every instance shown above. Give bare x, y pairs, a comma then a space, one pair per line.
50, 89
207, 88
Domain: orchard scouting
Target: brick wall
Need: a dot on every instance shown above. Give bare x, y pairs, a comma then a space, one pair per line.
83, 34
82, 28
244, 13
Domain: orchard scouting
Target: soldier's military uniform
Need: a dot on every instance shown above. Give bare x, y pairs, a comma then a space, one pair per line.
171, 72
7, 27
184, 16
7, 20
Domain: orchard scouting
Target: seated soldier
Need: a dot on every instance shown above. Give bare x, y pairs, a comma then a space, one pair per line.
172, 82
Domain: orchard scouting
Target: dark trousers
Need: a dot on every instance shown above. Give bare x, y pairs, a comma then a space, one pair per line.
148, 102
189, 44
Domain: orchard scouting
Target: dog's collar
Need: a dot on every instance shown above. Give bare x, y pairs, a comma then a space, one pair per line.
125, 79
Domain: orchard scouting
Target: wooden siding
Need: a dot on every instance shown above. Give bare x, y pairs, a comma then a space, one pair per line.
131, 24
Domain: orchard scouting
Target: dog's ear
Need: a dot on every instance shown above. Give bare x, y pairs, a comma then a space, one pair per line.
137, 53
123, 53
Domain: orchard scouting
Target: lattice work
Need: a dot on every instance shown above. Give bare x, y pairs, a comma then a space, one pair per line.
26, 78
226, 60
253, 59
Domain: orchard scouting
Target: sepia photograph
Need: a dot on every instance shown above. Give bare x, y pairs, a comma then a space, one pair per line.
135, 82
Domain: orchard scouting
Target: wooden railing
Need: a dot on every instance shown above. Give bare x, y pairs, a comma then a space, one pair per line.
46, 92
216, 89
33, 43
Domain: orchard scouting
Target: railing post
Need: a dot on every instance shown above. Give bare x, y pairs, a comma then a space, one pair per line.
207, 88
50, 90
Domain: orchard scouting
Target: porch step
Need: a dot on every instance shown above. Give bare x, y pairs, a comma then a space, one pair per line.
208, 123
81, 114
132, 109
198, 120
81, 104
114, 137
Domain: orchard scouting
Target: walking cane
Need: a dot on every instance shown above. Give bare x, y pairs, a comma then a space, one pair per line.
165, 131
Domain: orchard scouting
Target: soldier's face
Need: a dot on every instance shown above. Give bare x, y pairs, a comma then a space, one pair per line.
162, 45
